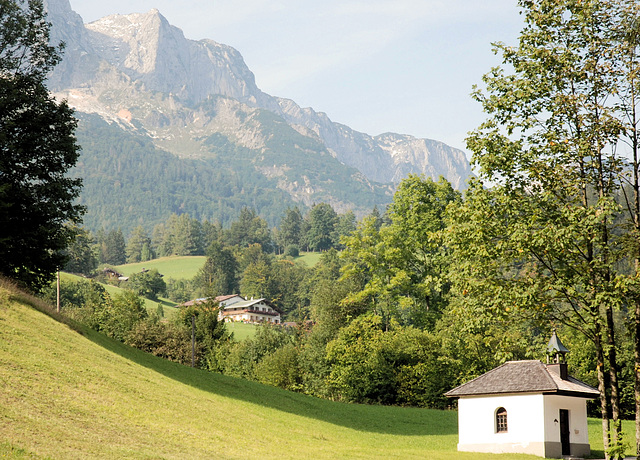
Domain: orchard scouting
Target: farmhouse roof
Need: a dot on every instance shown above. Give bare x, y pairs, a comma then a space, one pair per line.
251, 303
194, 302
222, 298
529, 376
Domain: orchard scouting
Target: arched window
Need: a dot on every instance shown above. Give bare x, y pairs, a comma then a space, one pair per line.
501, 420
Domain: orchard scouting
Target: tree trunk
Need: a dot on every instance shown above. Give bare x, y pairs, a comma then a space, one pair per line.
616, 431
604, 405
637, 367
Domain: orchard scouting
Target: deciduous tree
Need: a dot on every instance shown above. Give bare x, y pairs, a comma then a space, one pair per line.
37, 149
544, 238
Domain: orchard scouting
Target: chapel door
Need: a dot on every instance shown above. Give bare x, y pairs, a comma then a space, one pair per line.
564, 432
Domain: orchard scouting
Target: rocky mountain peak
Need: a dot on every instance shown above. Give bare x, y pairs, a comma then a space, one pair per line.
149, 50
119, 59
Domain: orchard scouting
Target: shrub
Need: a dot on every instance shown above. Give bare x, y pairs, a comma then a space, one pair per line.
147, 284
280, 369
400, 366
292, 251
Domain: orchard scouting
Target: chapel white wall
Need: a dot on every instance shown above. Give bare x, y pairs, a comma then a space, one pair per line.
577, 408
525, 419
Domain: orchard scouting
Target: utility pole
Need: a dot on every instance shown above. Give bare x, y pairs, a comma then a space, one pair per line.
193, 341
58, 293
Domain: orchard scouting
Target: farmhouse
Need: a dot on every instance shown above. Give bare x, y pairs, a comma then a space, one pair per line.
525, 407
236, 308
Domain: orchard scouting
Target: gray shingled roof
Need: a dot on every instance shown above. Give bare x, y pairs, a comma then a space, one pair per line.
530, 376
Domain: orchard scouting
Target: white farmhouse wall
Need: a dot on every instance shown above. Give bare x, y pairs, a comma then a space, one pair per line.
525, 421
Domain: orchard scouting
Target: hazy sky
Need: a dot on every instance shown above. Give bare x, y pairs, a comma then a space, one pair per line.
405, 66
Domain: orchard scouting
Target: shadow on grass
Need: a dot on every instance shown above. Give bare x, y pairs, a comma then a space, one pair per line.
377, 419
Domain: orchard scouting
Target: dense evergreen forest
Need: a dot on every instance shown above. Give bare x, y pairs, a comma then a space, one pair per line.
129, 182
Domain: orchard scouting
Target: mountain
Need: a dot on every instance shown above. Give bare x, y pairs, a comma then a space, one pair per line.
198, 101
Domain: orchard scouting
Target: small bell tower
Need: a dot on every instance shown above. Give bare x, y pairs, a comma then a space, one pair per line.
557, 352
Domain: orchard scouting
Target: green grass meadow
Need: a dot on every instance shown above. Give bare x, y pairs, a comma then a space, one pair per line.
309, 258
169, 307
240, 330
176, 267
68, 392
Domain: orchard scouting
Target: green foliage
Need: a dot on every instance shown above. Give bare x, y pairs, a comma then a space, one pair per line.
147, 284
81, 257
402, 266
179, 290
291, 228
210, 333
219, 274
165, 340
37, 149
322, 220
139, 246
122, 315
77, 296
345, 226
245, 358
89, 303
111, 247
280, 368
292, 251
248, 230
397, 366
256, 279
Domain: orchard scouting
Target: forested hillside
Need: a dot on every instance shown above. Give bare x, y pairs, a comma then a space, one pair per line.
129, 182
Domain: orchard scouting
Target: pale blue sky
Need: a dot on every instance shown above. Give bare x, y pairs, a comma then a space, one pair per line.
405, 66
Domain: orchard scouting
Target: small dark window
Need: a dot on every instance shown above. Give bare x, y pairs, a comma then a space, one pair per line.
501, 420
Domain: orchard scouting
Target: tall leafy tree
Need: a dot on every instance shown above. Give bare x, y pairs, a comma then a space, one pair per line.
187, 238
291, 228
322, 220
37, 149
80, 255
147, 284
138, 246
249, 229
219, 274
345, 226
544, 238
112, 248
627, 33
403, 265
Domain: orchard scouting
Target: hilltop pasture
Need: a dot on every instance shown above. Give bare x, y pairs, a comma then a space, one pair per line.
176, 267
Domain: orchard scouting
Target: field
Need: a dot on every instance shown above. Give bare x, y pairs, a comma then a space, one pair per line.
168, 305
67, 392
178, 267
309, 258
241, 331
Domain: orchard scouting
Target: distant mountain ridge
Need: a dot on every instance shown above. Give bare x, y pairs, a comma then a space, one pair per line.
140, 72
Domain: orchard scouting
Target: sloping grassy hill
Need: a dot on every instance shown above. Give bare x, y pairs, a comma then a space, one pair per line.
176, 267
68, 394
170, 307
